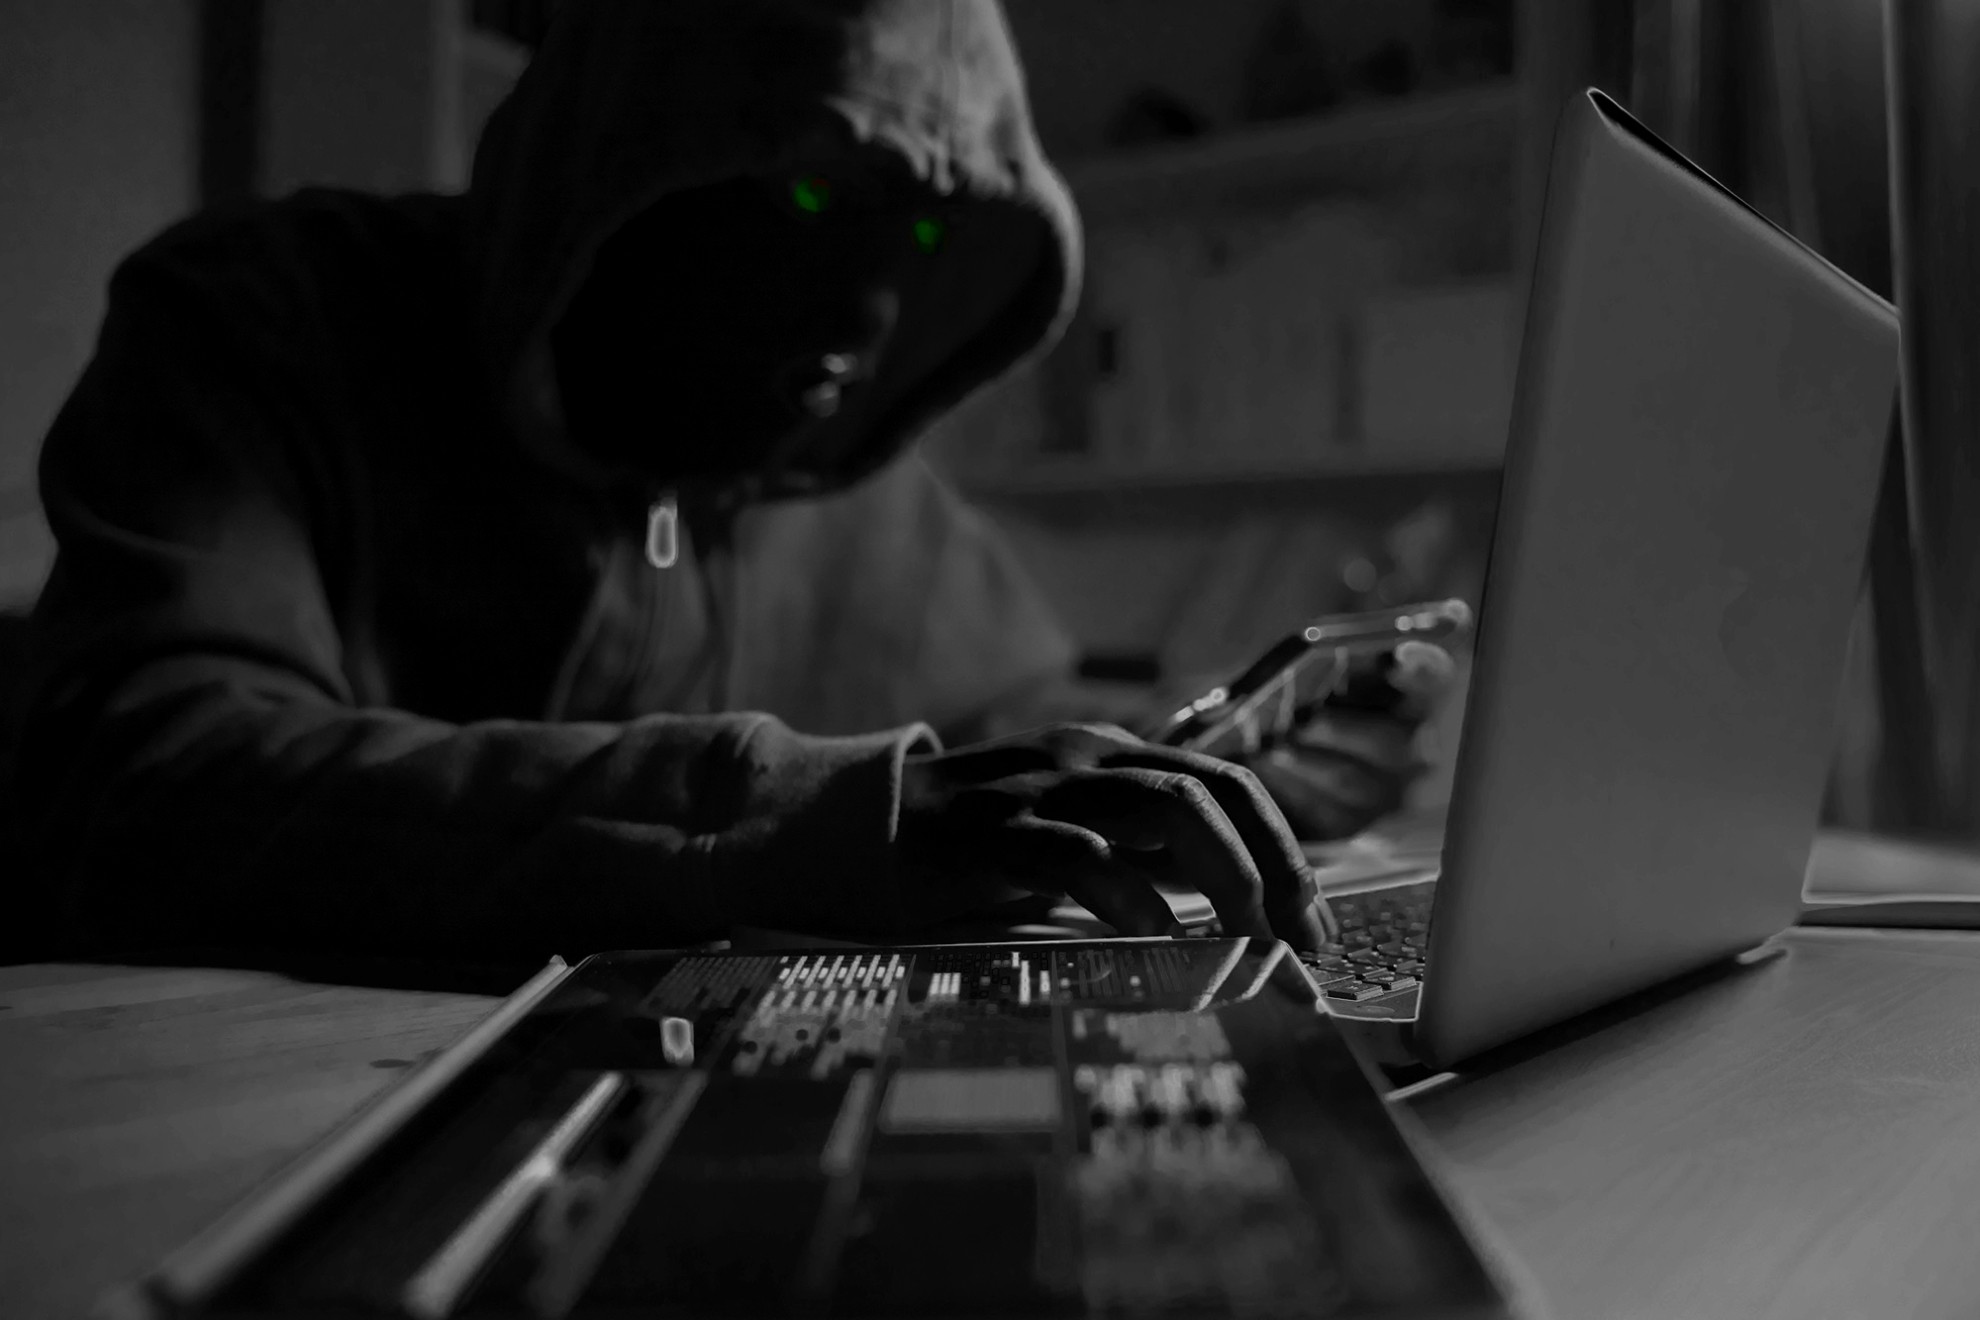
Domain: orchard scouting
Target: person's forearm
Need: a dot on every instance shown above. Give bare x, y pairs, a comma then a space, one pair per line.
220, 806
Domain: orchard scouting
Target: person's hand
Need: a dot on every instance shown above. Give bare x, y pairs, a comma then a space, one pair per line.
1349, 759
1094, 813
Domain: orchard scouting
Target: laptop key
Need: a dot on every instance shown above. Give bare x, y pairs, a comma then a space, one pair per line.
1365, 957
1355, 990
1409, 967
1379, 976
1402, 983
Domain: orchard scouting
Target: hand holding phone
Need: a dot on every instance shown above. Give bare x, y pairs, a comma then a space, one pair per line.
1261, 703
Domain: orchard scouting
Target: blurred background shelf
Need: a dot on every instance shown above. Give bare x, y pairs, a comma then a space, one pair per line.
1349, 474
1358, 149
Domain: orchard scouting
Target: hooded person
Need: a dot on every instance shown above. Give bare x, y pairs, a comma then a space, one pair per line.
545, 569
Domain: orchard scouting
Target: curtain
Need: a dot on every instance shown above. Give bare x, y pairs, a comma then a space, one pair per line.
1787, 102
1933, 62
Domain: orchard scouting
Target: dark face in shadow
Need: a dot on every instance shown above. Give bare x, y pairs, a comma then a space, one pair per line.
734, 329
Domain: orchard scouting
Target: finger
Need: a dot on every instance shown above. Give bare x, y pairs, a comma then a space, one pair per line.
1361, 785
1324, 802
1404, 682
1112, 733
1383, 744
1207, 845
1315, 924
1063, 857
1045, 751
1286, 881
1125, 898
1423, 669
1084, 744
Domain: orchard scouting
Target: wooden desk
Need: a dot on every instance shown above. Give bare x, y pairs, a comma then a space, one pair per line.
136, 1105
1800, 1139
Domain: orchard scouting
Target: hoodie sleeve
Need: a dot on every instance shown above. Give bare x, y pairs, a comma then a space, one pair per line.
199, 774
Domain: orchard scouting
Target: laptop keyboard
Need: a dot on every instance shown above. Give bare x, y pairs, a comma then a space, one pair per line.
1383, 945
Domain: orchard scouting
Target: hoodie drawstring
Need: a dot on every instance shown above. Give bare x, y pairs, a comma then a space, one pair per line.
663, 532
663, 551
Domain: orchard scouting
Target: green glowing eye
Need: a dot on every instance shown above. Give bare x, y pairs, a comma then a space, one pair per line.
811, 195
928, 235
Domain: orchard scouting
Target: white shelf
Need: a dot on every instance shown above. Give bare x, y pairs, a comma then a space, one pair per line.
1360, 148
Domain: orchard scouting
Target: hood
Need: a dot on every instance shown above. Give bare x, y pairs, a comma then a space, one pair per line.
630, 101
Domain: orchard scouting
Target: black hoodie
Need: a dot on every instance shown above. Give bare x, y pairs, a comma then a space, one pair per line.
345, 648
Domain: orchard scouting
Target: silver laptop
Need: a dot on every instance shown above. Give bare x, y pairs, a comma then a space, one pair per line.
1697, 440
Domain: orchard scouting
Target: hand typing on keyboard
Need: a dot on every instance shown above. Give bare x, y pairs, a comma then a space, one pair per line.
1098, 815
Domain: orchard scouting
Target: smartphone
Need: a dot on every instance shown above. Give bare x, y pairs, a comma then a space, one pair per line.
1262, 697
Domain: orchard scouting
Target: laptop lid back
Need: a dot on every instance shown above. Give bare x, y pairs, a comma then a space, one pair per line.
1698, 433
